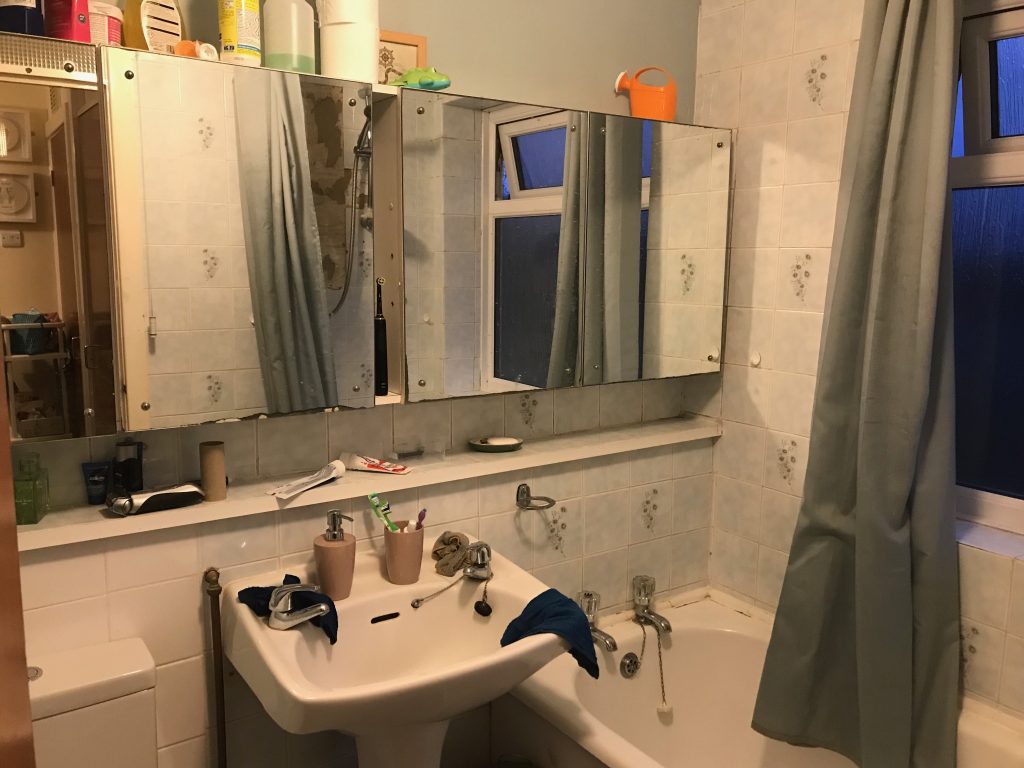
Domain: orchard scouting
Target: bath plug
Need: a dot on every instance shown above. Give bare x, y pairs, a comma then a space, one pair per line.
426, 78
664, 709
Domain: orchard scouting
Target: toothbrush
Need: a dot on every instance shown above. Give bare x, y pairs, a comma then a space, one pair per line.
382, 510
420, 518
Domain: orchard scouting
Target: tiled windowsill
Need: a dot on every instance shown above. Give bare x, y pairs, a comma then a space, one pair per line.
71, 526
989, 539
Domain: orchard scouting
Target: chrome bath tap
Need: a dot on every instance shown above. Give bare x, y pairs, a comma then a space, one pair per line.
282, 616
479, 567
590, 602
643, 596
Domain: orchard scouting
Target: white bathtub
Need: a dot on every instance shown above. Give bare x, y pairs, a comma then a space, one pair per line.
713, 663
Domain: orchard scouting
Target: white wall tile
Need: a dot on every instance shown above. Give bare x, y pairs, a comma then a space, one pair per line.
621, 403
424, 425
237, 540
692, 459
194, 753
148, 558
530, 414
819, 81
746, 394
566, 577
606, 575
739, 452
62, 575
169, 617
748, 336
734, 562
291, 445
63, 626
985, 586
606, 521
767, 29
690, 557
662, 399
797, 338
752, 276
692, 503
792, 397
982, 649
719, 46
512, 534
803, 278
651, 465
771, 568
737, 507
652, 558
824, 22
650, 511
785, 462
448, 502
718, 98
1015, 617
576, 410
808, 215
498, 492
181, 701
559, 533
757, 217
1011, 692
779, 513
764, 93
476, 417
367, 431
814, 149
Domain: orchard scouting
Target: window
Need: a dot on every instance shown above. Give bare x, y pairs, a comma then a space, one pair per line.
987, 176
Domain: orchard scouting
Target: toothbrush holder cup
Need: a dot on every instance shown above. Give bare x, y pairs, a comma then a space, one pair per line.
403, 553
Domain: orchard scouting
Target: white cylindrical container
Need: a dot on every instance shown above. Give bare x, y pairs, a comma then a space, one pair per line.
105, 23
240, 32
290, 37
350, 40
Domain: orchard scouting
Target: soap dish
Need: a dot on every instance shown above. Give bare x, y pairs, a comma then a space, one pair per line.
496, 444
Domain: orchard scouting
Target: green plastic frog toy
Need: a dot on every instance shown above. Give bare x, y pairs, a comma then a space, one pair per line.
425, 78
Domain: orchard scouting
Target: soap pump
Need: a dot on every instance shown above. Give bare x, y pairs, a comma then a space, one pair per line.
335, 557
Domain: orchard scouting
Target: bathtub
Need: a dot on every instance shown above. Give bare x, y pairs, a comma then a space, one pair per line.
713, 663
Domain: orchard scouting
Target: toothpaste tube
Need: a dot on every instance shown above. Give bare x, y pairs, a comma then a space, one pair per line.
290, 490
366, 464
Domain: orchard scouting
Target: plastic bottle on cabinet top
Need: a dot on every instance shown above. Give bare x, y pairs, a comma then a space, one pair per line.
240, 32
24, 17
290, 41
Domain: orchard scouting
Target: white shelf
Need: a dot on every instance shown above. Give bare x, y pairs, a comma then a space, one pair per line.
71, 526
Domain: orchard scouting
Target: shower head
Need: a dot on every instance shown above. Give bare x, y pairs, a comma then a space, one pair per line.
364, 144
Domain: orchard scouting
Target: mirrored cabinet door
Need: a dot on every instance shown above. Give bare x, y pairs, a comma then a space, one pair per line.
493, 217
657, 218
244, 239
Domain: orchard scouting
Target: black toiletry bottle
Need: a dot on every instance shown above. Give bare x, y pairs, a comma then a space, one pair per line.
380, 345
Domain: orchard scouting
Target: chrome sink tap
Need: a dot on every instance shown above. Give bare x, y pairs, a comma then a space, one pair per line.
590, 602
479, 567
643, 596
283, 616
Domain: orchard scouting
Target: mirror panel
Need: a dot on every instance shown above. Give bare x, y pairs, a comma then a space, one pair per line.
492, 245
657, 220
244, 250
55, 284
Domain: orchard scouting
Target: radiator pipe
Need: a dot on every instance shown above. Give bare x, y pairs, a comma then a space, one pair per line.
211, 580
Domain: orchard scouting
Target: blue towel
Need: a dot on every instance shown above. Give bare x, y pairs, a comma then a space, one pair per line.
258, 599
553, 612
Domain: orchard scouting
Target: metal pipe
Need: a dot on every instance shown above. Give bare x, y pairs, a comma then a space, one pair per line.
211, 580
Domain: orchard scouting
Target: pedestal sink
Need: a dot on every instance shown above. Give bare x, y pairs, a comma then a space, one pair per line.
397, 675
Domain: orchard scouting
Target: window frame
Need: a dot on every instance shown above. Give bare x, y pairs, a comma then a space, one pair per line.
991, 162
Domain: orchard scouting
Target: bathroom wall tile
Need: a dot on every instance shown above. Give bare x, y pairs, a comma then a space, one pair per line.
576, 410
650, 511
512, 534
981, 653
785, 462
498, 492
757, 217
450, 501
779, 513
559, 533
733, 562
823, 22
652, 558
621, 403
690, 557
606, 575
149, 558
405, 505
718, 45
737, 507
169, 617
745, 394
238, 540
752, 276
194, 753
808, 215
692, 503
748, 336
425, 425
1015, 616
559, 481
819, 81
703, 395
650, 465
606, 521
771, 568
792, 396
1011, 692
985, 586
718, 98
692, 459
63, 626
606, 473
803, 278
292, 444
297, 528
760, 156
476, 417
797, 338
764, 93
814, 149
767, 29
469, 526
566, 577
181, 701
239, 440
367, 431
662, 399
530, 414
738, 450
62, 460
50, 576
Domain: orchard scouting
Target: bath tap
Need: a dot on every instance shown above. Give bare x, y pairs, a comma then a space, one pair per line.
643, 596
479, 567
590, 602
282, 616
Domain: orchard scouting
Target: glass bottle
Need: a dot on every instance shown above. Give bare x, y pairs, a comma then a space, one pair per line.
31, 490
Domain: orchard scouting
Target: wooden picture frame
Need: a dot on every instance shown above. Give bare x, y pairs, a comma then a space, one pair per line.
399, 52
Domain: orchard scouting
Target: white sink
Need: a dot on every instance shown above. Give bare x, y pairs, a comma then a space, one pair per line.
393, 682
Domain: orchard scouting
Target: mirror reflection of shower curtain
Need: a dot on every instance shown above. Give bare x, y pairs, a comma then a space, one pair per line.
564, 362
282, 243
611, 348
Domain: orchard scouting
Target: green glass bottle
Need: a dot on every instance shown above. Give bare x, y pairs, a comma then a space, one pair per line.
31, 490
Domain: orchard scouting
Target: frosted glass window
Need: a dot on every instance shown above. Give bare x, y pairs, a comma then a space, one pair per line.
1007, 58
540, 158
988, 260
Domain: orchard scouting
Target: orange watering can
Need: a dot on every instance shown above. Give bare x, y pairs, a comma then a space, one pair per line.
654, 102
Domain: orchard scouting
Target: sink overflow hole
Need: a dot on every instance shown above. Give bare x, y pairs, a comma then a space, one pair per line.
384, 617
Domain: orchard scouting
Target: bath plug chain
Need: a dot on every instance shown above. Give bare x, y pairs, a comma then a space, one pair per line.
664, 708
421, 600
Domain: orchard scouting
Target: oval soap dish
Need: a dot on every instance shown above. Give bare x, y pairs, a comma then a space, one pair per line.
496, 444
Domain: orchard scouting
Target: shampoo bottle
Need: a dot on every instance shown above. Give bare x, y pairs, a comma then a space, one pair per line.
290, 36
240, 31
24, 17
335, 557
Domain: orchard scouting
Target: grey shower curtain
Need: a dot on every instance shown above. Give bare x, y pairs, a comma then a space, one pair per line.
282, 243
564, 362
864, 655
611, 347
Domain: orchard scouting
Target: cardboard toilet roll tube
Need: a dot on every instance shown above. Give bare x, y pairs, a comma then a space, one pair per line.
213, 470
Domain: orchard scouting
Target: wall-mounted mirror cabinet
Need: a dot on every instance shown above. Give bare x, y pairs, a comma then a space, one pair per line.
244, 249
550, 248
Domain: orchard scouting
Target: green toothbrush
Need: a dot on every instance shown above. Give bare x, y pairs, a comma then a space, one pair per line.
382, 509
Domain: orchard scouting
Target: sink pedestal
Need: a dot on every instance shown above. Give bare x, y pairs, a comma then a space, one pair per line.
408, 746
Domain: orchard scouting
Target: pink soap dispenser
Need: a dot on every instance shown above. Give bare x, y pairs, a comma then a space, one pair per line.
335, 557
